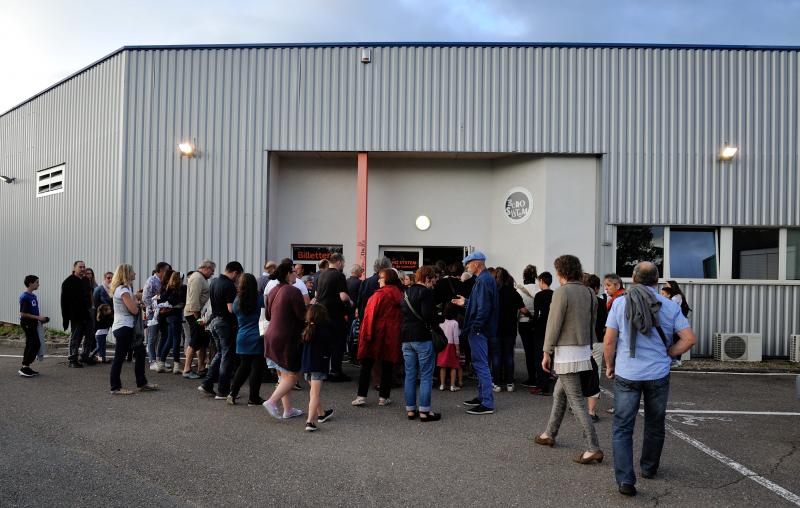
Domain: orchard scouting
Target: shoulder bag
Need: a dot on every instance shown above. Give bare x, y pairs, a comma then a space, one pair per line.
437, 336
590, 379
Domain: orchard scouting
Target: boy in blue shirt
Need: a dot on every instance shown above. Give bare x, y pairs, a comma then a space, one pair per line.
29, 318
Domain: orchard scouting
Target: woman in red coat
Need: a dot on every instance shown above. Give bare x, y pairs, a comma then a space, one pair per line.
379, 337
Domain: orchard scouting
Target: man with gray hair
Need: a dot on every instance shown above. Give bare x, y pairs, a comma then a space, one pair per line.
370, 284
196, 298
638, 345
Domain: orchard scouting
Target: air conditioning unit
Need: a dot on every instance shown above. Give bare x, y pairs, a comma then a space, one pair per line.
794, 349
737, 347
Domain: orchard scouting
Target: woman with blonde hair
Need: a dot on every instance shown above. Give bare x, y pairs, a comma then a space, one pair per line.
126, 310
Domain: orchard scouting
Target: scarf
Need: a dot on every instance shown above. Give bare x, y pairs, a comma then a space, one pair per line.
640, 311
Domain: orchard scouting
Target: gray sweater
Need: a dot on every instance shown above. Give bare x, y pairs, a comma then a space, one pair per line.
572, 317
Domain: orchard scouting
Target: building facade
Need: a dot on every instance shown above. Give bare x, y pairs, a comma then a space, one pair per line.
523, 151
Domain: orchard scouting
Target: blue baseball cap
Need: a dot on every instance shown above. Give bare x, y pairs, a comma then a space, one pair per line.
475, 256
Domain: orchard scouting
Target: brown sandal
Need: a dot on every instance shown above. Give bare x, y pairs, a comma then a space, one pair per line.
122, 391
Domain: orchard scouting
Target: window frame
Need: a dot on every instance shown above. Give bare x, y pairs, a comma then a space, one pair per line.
54, 175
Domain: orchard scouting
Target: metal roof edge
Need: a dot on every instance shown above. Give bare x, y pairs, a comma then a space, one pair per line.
610, 45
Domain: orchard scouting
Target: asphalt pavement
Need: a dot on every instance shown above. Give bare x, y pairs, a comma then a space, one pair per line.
65, 441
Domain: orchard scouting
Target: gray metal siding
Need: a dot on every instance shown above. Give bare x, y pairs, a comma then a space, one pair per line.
77, 123
771, 310
215, 205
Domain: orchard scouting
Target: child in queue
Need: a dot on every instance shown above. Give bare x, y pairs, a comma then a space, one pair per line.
450, 357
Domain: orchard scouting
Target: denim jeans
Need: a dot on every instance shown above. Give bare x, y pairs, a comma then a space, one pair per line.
173, 340
100, 346
479, 347
152, 342
124, 340
526, 335
626, 407
223, 365
419, 359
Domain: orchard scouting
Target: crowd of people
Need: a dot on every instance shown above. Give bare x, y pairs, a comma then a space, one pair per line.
448, 323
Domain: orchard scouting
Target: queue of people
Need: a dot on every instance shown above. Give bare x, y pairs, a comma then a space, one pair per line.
238, 329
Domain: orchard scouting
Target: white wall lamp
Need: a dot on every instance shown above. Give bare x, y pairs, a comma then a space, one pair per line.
728, 152
187, 149
7, 179
423, 222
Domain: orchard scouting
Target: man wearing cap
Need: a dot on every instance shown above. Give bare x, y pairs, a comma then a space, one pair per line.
480, 322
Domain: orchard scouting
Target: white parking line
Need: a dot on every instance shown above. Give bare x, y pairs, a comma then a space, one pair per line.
713, 412
734, 373
739, 468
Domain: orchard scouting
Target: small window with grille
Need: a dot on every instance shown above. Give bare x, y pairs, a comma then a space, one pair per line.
50, 181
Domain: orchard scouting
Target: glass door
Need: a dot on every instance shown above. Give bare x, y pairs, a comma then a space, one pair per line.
407, 259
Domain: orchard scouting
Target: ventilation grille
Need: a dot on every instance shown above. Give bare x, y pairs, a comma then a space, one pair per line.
737, 347
794, 350
50, 181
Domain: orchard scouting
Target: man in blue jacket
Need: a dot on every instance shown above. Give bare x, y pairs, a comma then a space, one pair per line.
480, 323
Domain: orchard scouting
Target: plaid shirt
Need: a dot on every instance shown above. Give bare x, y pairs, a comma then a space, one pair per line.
151, 288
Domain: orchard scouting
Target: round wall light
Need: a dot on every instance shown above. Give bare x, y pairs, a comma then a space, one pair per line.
423, 222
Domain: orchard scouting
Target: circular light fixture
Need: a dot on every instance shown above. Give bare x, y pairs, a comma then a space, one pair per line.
186, 149
728, 152
423, 222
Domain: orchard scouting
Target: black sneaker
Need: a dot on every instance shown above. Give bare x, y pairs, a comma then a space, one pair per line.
208, 391
75, 365
259, 402
326, 417
627, 490
35, 373
310, 427
26, 372
480, 410
472, 403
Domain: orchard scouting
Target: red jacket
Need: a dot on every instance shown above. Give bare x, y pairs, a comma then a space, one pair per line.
379, 336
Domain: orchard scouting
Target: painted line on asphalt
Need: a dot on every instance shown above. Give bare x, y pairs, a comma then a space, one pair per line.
714, 412
734, 373
739, 468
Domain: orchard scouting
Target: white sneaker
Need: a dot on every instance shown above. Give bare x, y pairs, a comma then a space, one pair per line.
160, 368
441, 388
495, 388
154, 366
359, 401
177, 369
455, 388
510, 387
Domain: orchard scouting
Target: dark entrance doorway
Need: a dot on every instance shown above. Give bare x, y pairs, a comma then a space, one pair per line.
430, 255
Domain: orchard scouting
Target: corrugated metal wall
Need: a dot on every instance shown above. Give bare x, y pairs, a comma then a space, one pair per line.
771, 310
183, 210
77, 123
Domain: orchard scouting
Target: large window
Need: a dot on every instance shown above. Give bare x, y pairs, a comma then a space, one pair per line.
793, 254
639, 243
755, 253
693, 253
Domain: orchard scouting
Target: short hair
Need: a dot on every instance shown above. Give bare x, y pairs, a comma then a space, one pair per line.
234, 266
381, 263
591, 280
455, 269
424, 273
30, 279
108, 273
546, 277
336, 258
159, 266
645, 273
390, 276
356, 269
287, 260
323, 264
207, 263
613, 277
569, 267
529, 274
440, 267
76, 263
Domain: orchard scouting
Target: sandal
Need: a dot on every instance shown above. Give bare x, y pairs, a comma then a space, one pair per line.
122, 391
148, 388
412, 415
430, 416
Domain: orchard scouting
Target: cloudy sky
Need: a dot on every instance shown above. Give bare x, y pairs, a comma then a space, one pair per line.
42, 41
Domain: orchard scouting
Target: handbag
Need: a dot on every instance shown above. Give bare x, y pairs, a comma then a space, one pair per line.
590, 379
437, 336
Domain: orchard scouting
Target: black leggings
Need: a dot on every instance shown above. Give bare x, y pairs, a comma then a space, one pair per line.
31, 341
251, 366
365, 377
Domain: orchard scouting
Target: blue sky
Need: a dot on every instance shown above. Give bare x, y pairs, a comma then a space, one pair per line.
43, 41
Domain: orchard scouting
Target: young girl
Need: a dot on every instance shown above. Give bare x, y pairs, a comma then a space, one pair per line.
449, 358
317, 344
104, 320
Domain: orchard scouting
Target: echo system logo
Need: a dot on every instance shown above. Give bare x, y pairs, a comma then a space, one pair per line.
518, 205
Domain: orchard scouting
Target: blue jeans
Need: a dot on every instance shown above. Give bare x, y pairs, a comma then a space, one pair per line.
502, 352
626, 407
419, 358
173, 339
100, 346
152, 342
479, 346
222, 366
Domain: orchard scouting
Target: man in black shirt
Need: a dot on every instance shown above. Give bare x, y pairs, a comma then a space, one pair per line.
354, 282
332, 294
222, 292
76, 310
541, 310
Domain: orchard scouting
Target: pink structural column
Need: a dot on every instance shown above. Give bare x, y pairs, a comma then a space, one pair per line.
361, 211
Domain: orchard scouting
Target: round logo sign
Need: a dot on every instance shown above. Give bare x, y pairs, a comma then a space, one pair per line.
518, 205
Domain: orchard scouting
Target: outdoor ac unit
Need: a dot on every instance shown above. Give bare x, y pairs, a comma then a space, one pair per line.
794, 349
737, 347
